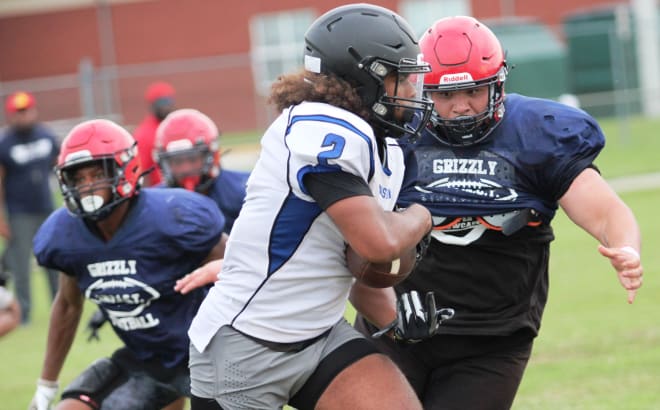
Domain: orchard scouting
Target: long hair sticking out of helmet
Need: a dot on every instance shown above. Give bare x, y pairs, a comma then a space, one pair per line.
362, 44
464, 54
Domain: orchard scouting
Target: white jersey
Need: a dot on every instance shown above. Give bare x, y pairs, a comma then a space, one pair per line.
284, 278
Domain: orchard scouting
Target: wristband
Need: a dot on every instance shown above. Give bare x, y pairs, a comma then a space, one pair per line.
630, 250
47, 383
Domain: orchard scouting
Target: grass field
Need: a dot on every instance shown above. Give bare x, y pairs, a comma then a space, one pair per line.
594, 352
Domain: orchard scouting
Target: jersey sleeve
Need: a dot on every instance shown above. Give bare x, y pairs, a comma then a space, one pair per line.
319, 144
192, 222
44, 244
574, 140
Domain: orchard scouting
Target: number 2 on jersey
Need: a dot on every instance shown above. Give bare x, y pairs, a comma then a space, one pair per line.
336, 144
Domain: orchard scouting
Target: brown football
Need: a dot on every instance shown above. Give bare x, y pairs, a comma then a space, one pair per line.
380, 275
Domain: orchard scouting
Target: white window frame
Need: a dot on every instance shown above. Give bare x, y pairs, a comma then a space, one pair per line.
421, 14
282, 46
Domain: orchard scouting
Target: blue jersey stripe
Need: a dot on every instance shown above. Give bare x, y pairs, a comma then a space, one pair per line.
290, 227
341, 123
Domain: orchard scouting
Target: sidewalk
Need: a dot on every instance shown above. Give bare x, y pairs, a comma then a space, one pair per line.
635, 182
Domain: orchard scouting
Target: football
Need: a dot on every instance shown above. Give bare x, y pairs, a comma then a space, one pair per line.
380, 275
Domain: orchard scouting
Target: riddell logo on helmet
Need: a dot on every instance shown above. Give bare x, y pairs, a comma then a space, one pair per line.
455, 78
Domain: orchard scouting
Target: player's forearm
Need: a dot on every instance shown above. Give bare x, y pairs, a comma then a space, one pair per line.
620, 228
377, 305
61, 333
408, 227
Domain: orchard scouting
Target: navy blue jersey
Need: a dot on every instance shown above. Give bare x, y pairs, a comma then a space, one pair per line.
492, 205
228, 191
166, 234
28, 160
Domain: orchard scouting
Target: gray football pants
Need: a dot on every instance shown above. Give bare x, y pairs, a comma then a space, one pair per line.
18, 258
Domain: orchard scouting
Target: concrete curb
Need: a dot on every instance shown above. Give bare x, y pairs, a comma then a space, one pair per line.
635, 182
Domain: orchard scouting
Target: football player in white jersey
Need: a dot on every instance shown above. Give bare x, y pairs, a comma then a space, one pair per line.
271, 331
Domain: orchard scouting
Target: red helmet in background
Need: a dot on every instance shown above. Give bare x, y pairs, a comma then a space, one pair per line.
464, 54
186, 150
105, 143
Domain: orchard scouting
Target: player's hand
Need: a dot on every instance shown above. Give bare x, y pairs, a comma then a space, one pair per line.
628, 267
202, 276
415, 320
44, 396
94, 324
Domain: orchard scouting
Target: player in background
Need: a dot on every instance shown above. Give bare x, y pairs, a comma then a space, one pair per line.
159, 97
493, 170
271, 331
28, 150
187, 150
124, 250
188, 155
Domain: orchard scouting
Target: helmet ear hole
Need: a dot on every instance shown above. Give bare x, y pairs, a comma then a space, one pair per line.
362, 44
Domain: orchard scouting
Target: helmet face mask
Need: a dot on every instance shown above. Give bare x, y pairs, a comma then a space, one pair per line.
363, 44
464, 55
112, 151
188, 168
89, 200
187, 151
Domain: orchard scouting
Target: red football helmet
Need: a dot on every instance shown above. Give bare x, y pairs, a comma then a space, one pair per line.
98, 142
186, 150
463, 54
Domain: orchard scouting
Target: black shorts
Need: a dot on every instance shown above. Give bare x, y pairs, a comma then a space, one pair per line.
460, 372
125, 382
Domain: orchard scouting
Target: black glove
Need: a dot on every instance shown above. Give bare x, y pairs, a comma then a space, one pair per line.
416, 321
94, 324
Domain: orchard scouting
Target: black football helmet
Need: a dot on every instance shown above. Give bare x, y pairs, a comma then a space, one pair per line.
362, 44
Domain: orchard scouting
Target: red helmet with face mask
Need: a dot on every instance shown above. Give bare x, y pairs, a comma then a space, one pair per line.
464, 54
98, 142
186, 150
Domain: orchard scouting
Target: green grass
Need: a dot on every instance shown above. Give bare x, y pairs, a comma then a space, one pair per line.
632, 147
23, 351
594, 351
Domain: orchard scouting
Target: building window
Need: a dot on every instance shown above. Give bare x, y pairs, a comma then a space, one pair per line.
277, 41
422, 13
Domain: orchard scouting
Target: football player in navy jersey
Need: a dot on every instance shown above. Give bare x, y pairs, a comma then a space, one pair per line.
493, 170
186, 149
271, 331
123, 251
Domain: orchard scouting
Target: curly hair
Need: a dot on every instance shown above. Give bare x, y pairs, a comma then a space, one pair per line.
292, 89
